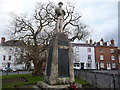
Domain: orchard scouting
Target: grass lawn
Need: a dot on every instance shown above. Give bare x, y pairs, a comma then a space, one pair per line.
15, 76
81, 81
31, 80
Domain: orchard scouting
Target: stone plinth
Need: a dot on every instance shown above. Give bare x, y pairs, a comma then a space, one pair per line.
59, 65
48, 86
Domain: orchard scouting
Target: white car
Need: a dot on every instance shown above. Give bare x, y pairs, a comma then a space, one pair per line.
7, 69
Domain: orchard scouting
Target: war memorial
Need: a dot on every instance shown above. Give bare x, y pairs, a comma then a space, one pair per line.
59, 70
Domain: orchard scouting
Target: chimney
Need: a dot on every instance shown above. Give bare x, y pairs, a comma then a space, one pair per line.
91, 41
87, 42
102, 40
2, 40
112, 42
94, 43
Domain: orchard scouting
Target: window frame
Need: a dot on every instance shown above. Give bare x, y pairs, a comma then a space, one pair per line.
9, 57
101, 50
4, 57
112, 57
113, 65
112, 50
89, 50
101, 57
102, 65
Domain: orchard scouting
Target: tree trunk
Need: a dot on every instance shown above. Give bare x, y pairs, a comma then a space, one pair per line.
39, 68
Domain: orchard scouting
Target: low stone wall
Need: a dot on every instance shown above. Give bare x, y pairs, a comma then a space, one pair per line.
99, 79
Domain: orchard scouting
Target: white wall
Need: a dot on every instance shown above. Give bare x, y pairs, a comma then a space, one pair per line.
83, 56
6, 50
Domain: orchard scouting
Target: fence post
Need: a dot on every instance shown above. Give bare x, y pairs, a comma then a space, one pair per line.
113, 81
95, 79
86, 75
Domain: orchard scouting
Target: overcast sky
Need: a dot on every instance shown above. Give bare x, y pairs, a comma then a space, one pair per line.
101, 16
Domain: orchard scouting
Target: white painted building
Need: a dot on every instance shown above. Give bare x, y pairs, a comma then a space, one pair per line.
83, 56
8, 53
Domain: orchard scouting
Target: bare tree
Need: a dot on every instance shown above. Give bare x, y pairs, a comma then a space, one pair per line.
36, 30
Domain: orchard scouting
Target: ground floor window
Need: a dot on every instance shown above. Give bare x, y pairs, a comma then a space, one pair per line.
88, 64
76, 65
102, 65
113, 65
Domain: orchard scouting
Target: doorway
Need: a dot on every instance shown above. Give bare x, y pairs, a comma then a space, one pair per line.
82, 66
108, 66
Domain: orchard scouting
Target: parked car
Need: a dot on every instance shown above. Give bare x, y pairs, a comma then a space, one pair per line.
7, 69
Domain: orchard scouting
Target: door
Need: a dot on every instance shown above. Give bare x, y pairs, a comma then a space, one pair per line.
108, 66
82, 66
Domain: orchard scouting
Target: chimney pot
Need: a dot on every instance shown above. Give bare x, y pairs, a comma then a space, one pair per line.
2, 40
87, 42
102, 40
112, 42
91, 41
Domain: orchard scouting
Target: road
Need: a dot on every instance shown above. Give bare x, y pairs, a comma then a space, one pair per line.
13, 73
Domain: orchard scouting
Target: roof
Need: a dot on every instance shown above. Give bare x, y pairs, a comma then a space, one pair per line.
82, 44
92, 45
13, 43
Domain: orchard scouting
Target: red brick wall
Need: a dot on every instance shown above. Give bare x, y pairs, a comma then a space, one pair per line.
107, 56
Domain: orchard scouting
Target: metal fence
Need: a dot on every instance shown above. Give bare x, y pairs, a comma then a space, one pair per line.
99, 79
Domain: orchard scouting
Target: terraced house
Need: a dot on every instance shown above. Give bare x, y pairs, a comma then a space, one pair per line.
9, 53
83, 55
98, 55
106, 55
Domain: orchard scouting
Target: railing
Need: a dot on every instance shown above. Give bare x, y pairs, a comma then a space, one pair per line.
16, 72
99, 79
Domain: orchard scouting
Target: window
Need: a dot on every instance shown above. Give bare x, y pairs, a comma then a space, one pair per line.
9, 58
89, 57
89, 50
88, 64
112, 50
101, 57
77, 58
102, 65
4, 57
112, 57
101, 43
113, 65
101, 50
76, 49
76, 65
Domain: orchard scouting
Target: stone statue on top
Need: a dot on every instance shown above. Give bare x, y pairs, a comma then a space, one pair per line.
60, 13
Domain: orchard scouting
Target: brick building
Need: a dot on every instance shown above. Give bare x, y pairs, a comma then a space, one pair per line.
106, 55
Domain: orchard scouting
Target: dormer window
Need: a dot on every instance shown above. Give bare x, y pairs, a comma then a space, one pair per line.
101, 43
